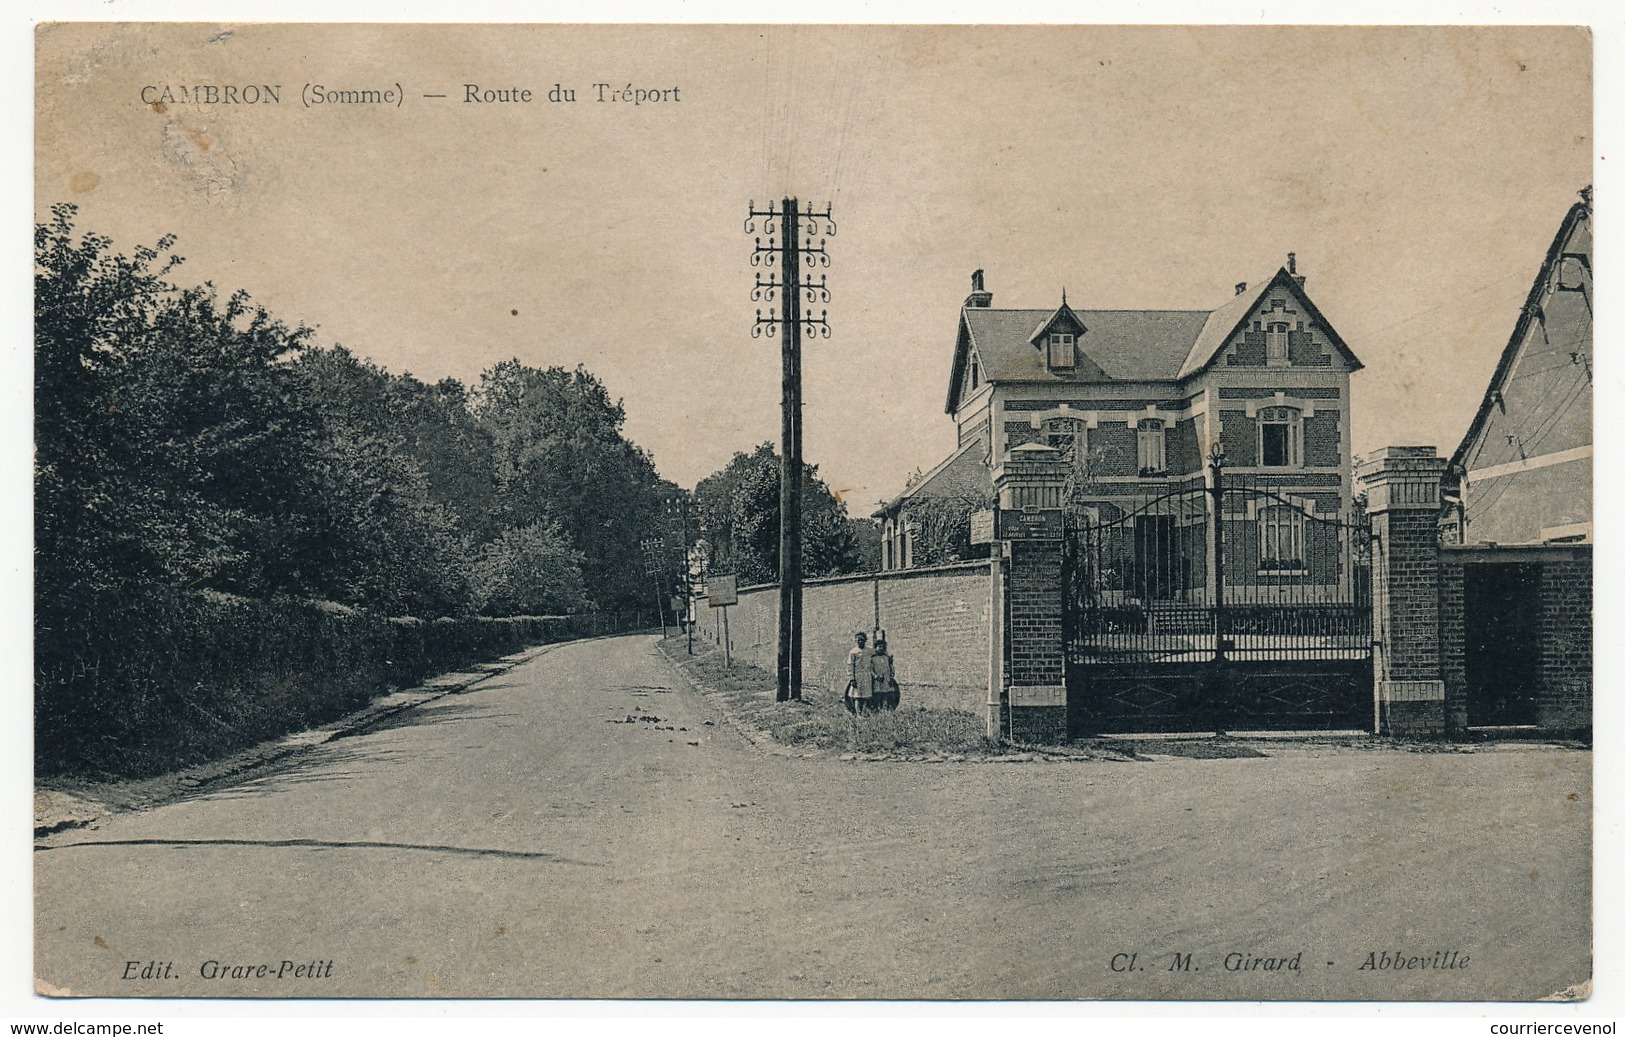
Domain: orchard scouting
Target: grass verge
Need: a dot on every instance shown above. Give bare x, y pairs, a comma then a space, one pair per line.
820, 721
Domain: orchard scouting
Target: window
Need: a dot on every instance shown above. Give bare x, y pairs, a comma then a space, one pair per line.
1275, 344
1065, 435
1060, 349
1153, 447
1280, 538
975, 375
1280, 437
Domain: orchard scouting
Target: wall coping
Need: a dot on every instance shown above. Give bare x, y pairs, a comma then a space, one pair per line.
889, 574
1470, 554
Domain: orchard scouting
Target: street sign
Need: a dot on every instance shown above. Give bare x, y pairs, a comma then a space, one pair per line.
722, 590
981, 526
1038, 524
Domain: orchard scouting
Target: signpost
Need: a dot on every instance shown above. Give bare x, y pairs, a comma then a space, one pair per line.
720, 592
981, 526
993, 524
1028, 524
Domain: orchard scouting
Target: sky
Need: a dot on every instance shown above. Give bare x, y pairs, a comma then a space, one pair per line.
1418, 174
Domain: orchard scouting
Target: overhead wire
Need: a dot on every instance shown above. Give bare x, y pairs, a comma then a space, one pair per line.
1457, 300
1536, 437
1569, 349
869, 85
1538, 414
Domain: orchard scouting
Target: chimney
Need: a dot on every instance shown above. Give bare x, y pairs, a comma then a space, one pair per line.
1292, 269
979, 295
1241, 286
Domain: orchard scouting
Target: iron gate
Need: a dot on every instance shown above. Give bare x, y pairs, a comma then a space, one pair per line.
1221, 604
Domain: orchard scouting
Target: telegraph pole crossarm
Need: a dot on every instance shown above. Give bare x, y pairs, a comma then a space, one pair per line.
780, 249
651, 566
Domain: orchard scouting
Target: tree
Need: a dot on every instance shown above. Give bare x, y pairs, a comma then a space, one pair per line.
560, 456
739, 509
167, 434
939, 527
866, 537
392, 536
529, 571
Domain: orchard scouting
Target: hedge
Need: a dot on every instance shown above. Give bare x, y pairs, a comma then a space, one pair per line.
133, 687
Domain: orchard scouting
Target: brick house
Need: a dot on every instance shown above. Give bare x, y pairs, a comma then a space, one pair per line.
1137, 399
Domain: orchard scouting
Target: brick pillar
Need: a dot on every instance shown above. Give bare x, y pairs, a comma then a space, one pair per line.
1033, 705
1402, 491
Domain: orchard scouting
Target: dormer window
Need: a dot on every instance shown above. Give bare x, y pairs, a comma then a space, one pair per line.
1062, 349
1275, 343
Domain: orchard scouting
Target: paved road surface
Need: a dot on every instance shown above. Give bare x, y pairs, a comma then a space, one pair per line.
516, 840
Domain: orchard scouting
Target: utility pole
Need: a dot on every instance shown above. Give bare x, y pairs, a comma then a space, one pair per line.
783, 248
652, 547
677, 513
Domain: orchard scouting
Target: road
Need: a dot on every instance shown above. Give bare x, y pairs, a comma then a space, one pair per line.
524, 839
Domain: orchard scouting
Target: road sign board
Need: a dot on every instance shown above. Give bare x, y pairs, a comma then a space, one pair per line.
1037, 524
981, 526
722, 590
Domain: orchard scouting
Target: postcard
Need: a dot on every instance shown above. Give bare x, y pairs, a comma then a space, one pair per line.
813, 512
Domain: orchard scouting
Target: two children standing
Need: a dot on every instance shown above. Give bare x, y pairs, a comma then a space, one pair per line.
872, 675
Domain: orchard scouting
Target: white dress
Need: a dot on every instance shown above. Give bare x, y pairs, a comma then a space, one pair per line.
861, 673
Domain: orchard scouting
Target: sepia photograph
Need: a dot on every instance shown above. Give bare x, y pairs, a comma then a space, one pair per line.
812, 512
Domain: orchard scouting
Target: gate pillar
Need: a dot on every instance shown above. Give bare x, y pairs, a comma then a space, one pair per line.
1031, 707
1402, 488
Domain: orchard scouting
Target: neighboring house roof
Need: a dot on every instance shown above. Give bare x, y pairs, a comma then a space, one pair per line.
1574, 236
963, 476
1120, 345
1125, 345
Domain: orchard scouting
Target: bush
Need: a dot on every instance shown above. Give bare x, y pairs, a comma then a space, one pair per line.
186, 678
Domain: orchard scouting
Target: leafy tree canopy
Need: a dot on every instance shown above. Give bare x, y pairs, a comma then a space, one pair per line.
739, 509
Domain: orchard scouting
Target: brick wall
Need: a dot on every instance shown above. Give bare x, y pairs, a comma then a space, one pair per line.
1303, 351
1563, 696
936, 621
1020, 433
1115, 448
1239, 433
1453, 641
1322, 442
1036, 655
1564, 701
1249, 351
1409, 543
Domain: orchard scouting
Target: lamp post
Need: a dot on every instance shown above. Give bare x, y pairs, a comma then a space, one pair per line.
1215, 489
1219, 688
